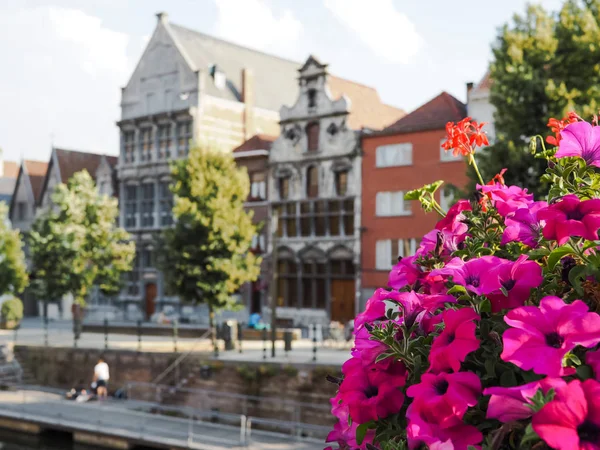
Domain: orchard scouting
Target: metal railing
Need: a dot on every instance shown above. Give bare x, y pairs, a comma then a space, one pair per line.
290, 415
151, 423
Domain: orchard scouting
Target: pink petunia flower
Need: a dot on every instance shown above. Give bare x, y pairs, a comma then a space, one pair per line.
454, 217
452, 346
470, 274
375, 308
344, 432
371, 393
572, 420
441, 242
541, 337
592, 359
507, 199
518, 278
523, 225
571, 217
367, 349
508, 404
447, 395
405, 272
424, 429
580, 139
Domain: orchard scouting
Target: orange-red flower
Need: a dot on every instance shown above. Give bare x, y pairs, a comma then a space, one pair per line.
463, 137
556, 126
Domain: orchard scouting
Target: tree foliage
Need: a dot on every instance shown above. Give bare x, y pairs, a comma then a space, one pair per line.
544, 66
13, 270
76, 244
206, 255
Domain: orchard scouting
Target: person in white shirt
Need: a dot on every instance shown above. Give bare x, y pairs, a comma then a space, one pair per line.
101, 377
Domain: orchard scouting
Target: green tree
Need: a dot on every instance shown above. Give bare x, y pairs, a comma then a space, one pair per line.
206, 255
544, 66
13, 270
76, 244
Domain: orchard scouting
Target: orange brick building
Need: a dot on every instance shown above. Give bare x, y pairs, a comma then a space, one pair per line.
402, 157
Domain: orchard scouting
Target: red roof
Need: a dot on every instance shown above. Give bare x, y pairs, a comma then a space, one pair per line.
433, 115
256, 142
37, 172
72, 161
486, 82
11, 169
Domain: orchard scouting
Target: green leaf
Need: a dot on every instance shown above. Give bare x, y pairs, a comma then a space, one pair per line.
529, 436
557, 254
485, 306
538, 253
361, 431
576, 275
457, 288
508, 379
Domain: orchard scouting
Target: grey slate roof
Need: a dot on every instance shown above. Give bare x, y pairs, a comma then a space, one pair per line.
275, 79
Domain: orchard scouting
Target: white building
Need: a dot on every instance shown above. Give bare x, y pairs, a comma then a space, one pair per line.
479, 106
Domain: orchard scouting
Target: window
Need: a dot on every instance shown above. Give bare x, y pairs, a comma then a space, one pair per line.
166, 204
258, 243
21, 210
146, 258
314, 277
129, 146
383, 254
312, 136
394, 155
184, 135
446, 198
147, 208
447, 156
388, 251
147, 145
258, 186
341, 183
392, 204
287, 289
102, 188
130, 206
315, 218
132, 279
406, 247
312, 182
312, 98
164, 141
284, 188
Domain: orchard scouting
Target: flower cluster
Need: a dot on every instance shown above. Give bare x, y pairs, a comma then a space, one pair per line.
488, 337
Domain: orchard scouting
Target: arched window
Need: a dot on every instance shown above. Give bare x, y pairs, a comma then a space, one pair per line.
284, 188
312, 182
341, 183
312, 136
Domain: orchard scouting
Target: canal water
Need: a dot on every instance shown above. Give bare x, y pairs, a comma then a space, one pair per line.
12, 440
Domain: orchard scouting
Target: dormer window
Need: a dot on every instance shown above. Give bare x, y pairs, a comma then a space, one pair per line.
312, 137
218, 76
312, 98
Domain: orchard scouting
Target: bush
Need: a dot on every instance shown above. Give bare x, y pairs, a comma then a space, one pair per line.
488, 338
12, 310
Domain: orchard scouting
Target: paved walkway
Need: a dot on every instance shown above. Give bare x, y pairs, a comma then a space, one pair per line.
60, 334
122, 421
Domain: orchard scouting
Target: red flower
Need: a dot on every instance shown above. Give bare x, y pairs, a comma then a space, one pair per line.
463, 137
556, 126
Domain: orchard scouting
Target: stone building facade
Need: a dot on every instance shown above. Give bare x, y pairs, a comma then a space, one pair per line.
315, 192
188, 88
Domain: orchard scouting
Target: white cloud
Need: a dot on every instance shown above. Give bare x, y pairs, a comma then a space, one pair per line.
62, 69
252, 23
388, 32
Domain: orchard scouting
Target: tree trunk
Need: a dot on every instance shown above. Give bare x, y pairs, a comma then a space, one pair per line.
213, 329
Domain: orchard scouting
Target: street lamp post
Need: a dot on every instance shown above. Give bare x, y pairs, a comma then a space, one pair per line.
274, 281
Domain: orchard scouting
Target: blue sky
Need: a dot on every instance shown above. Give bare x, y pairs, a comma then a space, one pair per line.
64, 61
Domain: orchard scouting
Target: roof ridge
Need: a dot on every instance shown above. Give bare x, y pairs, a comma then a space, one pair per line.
233, 43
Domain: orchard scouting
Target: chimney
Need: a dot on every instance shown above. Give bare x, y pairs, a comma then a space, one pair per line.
469, 88
162, 17
248, 100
